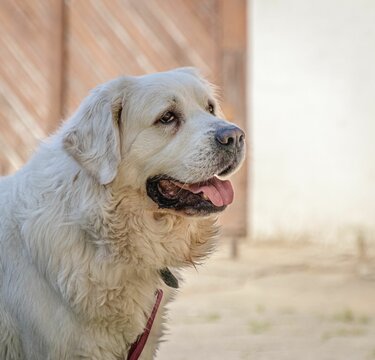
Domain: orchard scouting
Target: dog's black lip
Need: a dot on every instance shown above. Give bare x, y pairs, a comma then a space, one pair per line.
227, 170
194, 204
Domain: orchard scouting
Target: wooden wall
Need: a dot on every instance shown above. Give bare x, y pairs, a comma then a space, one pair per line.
54, 51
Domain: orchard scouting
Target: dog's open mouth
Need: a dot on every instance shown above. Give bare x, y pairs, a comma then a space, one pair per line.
212, 195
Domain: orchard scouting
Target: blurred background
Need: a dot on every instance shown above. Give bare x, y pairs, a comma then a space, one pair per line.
294, 275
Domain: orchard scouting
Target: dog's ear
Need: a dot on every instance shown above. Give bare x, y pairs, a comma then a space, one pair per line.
93, 140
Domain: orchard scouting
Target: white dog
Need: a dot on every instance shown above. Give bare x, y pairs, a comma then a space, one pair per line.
127, 189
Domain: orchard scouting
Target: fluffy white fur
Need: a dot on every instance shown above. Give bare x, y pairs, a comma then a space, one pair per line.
81, 243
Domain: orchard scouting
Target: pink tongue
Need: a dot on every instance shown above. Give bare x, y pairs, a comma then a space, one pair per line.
219, 192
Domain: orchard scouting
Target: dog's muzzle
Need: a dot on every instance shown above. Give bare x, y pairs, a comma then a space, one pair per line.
209, 194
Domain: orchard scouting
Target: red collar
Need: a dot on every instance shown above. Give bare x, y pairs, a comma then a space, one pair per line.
137, 347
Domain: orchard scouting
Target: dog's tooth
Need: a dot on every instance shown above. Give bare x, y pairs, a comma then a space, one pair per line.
205, 197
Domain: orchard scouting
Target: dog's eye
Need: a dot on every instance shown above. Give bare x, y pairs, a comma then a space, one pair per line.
211, 109
168, 118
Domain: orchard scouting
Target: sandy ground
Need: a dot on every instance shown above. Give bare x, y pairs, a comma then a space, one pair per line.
277, 302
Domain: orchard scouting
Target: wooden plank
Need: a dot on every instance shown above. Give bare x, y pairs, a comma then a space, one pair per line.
24, 76
232, 54
114, 38
56, 33
233, 24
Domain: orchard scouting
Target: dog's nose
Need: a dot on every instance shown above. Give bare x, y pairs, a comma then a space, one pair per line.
230, 137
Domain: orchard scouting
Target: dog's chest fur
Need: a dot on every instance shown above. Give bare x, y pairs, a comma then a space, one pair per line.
106, 273
111, 315
116, 297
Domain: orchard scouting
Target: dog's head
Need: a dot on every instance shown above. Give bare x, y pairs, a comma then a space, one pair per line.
163, 136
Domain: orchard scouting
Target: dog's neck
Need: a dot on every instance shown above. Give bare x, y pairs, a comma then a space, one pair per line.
104, 253
112, 240
145, 236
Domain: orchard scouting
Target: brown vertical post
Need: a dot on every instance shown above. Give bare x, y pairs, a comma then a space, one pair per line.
56, 64
232, 72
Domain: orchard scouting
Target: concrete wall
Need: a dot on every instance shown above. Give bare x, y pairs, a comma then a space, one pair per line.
313, 118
